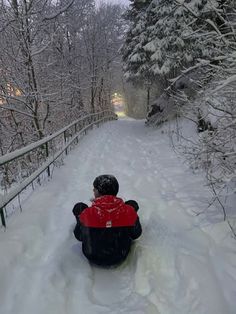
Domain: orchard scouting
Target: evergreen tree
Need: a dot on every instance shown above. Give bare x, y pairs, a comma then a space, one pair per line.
167, 36
134, 56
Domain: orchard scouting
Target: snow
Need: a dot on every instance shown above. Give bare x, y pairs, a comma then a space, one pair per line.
228, 81
24, 184
22, 151
63, 9
183, 263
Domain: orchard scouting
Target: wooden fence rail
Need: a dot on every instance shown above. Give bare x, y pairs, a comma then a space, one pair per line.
71, 134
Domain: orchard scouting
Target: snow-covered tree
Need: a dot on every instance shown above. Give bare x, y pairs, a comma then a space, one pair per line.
56, 64
101, 39
27, 33
165, 37
134, 56
55, 61
190, 45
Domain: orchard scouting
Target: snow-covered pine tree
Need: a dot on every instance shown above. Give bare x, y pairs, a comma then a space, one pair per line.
167, 36
134, 56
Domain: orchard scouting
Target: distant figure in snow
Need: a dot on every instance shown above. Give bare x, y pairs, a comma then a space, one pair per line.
109, 225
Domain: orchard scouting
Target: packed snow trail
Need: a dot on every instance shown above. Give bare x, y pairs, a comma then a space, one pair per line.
181, 264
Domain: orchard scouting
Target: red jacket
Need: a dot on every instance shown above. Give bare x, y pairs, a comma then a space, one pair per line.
108, 211
107, 229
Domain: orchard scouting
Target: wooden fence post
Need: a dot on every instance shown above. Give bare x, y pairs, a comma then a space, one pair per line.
47, 155
3, 217
65, 141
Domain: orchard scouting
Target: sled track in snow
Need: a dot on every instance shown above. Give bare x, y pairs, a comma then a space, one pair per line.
180, 265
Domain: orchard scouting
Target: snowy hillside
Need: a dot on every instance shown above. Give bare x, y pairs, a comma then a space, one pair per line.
182, 264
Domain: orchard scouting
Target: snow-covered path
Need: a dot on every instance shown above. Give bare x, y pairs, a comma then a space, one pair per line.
182, 263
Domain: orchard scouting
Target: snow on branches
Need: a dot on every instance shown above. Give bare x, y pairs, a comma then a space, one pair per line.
190, 45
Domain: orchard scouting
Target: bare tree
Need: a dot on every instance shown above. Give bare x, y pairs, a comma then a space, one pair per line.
56, 64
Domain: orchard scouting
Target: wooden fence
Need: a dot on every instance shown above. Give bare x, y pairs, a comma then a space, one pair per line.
66, 136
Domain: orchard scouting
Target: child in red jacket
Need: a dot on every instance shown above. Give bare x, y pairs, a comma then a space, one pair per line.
109, 225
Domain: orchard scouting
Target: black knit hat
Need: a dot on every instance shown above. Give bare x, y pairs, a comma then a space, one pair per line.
106, 184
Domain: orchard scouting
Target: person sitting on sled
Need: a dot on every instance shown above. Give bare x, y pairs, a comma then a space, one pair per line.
108, 227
